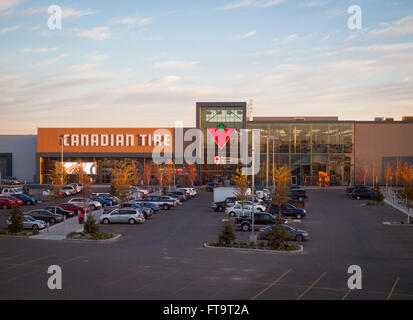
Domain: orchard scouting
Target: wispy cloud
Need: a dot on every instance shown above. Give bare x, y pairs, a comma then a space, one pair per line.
51, 60
312, 4
250, 3
245, 35
5, 4
70, 12
97, 33
137, 21
286, 39
9, 29
37, 50
399, 28
175, 64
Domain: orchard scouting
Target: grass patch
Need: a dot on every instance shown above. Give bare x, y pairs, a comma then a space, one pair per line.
88, 236
25, 233
261, 246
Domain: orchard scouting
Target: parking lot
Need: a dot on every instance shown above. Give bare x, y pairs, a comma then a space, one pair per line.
165, 258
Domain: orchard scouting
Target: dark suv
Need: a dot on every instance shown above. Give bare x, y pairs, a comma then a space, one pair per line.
288, 210
261, 219
298, 194
222, 205
362, 193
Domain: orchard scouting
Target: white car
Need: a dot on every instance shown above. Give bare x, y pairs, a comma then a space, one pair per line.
87, 203
239, 210
126, 215
68, 190
257, 206
78, 187
9, 191
192, 192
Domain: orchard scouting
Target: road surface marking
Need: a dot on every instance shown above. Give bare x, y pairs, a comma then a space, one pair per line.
272, 284
311, 286
347, 293
392, 289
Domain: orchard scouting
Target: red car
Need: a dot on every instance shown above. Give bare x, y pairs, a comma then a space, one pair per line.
6, 203
14, 200
73, 207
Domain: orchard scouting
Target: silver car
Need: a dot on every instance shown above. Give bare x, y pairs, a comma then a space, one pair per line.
127, 215
87, 203
31, 223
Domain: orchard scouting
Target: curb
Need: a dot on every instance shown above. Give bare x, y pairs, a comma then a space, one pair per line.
300, 250
96, 241
388, 223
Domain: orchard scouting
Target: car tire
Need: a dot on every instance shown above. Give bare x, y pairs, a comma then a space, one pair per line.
299, 238
4, 207
232, 214
52, 220
220, 208
245, 227
166, 206
35, 227
260, 210
298, 216
358, 198
301, 199
132, 221
93, 207
28, 203
105, 221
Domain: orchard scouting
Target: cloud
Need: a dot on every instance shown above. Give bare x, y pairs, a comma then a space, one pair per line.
38, 50
245, 35
175, 64
312, 4
145, 85
288, 38
50, 61
69, 12
265, 53
9, 29
400, 28
250, 3
137, 21
5, 4
95, 56
98, 33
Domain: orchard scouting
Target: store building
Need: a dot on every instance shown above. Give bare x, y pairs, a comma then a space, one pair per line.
307, 145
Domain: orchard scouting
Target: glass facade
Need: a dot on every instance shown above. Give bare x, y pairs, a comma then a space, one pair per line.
307, 149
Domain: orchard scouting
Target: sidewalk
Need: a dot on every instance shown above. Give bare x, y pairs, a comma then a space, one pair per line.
61, 230
391, 199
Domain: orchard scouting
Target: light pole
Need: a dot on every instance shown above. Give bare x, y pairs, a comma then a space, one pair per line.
61, 159
253, 238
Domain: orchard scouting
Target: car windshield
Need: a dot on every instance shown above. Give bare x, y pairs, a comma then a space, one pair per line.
29, 218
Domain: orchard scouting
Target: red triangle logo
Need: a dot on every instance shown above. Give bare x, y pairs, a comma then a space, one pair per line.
221, 137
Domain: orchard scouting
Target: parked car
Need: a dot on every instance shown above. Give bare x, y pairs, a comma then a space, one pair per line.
107, 196
73, 207
222, 205
25, 198
298, 194
103, 202
291, 233
362, 193
6, 203
31, 223
147, 212
180, 195
192, 191
174, 200
59, 210
350, 189
130, 215
7, 180
287, 210
239, 209
10, 191
154, 207
68, 190
78, 187
14, 200
165, 204
261, 219
45, 215
86, 202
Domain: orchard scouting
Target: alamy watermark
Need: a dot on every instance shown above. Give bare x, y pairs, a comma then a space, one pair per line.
55, 19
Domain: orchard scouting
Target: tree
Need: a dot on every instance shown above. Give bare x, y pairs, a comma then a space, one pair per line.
388, 174
147, 173
404, 175
281, 191
159, 171
227, 235
136, 177
192, 173
378, 195
58, 177
82, 177
168, 174
277, 238
242, 182
91, 226
16, 220
122, 180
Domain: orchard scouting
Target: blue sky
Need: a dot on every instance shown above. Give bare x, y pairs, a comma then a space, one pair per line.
146, 63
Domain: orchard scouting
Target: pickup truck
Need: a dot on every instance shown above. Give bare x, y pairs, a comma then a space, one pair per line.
287, 210
165, 203
261, 220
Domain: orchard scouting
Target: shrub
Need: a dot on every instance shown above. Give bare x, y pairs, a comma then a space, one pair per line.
16, 220
227, 234
91, 226
277, 238
261, 244
252, 244
378, 196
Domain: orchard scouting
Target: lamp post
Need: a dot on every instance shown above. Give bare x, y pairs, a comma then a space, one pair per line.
252, 237
61, 158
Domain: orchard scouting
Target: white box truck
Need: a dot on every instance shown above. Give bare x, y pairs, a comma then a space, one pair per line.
221, 193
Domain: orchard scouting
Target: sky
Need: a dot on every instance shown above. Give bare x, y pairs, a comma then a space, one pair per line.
146, 63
